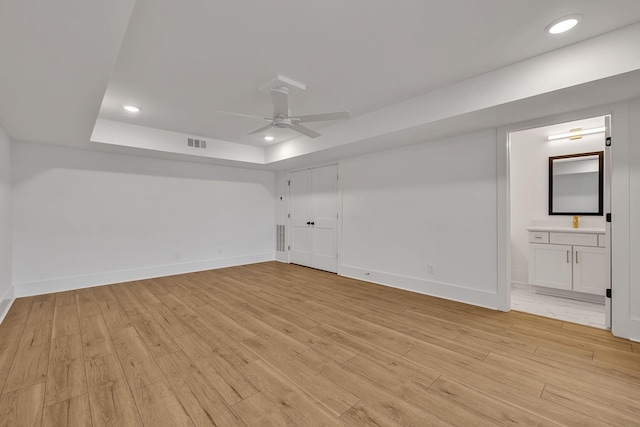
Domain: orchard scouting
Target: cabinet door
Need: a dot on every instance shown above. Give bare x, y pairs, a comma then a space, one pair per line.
550, 265
589, 269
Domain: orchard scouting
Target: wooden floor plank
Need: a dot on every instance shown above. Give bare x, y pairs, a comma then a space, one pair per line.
41, 314
10, 337
362, 414
65, 298
603, 413
390, 405
96, 340
334, 397
158, 341
87, 303
65, 320
66, 375
232, 386
31, 362
110, 397
74, 412
160, 407
196, 392
139, 365
22, 407
287, 397
257, 410
18, 313
278, 344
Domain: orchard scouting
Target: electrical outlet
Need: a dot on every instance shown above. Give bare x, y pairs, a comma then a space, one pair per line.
431, 269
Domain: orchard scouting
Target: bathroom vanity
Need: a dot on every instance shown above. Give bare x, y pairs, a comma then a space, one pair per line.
570, 259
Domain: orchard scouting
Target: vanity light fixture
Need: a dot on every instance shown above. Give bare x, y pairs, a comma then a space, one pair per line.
563, 24
268, 138
131, 108
575, 133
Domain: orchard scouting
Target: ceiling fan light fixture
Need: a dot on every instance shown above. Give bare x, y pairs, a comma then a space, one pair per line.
268, 138
562, 25
131, 108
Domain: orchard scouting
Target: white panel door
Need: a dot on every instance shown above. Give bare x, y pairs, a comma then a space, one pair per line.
324, 218
550, 265
299, 223
590, 269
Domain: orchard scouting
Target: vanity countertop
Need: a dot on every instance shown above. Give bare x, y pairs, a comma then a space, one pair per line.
586, 230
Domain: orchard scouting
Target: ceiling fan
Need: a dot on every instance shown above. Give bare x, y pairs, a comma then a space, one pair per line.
281, 118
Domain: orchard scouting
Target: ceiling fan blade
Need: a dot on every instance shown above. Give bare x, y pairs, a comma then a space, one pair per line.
337, 115
280, 99
305, 130
262, 129
249, 116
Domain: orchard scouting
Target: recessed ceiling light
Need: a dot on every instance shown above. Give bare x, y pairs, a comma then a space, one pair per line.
563, 24
268, 138
131, 108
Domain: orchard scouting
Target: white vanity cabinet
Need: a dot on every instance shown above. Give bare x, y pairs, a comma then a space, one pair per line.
568, 260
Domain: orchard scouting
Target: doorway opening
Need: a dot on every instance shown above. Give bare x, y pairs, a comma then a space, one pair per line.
559, 193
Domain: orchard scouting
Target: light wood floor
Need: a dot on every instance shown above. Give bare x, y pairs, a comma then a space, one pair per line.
273, 344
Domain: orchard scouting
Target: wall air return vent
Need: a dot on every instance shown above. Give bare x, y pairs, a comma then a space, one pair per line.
196, 143
280, 238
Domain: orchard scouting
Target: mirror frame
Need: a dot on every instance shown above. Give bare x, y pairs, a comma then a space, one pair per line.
600, 155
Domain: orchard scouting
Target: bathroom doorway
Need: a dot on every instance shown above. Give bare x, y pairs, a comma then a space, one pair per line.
558, 196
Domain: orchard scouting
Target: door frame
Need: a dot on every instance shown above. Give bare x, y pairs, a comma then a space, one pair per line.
619, 272
338, 164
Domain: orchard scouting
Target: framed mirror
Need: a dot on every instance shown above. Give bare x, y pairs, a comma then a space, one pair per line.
576, 184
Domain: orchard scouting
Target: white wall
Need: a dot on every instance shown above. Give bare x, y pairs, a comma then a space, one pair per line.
431, 203
6, 291
282, 203
634, 221
529, 182
83, 218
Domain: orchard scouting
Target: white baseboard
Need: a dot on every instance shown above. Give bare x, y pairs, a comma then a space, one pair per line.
599, 299
520, 285
282, 257
436, 289
5, 303
61, 284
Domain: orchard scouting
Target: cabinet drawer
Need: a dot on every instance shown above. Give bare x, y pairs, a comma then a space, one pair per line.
578, 239
538, 237
602, 240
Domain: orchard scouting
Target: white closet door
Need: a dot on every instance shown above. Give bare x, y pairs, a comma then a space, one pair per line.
300, 199
324, 220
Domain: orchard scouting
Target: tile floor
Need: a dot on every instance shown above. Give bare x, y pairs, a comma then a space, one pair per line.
583, 312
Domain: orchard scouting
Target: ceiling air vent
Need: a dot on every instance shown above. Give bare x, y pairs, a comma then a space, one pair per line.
196, 143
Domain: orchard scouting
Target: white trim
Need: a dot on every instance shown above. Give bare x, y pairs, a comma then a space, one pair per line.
503, 218
61, 284
437, 289
5, 303
578, 296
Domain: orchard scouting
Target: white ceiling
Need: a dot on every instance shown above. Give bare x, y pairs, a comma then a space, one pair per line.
66, 64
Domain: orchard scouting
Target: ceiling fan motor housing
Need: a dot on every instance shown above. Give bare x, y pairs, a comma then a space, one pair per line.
282, 123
